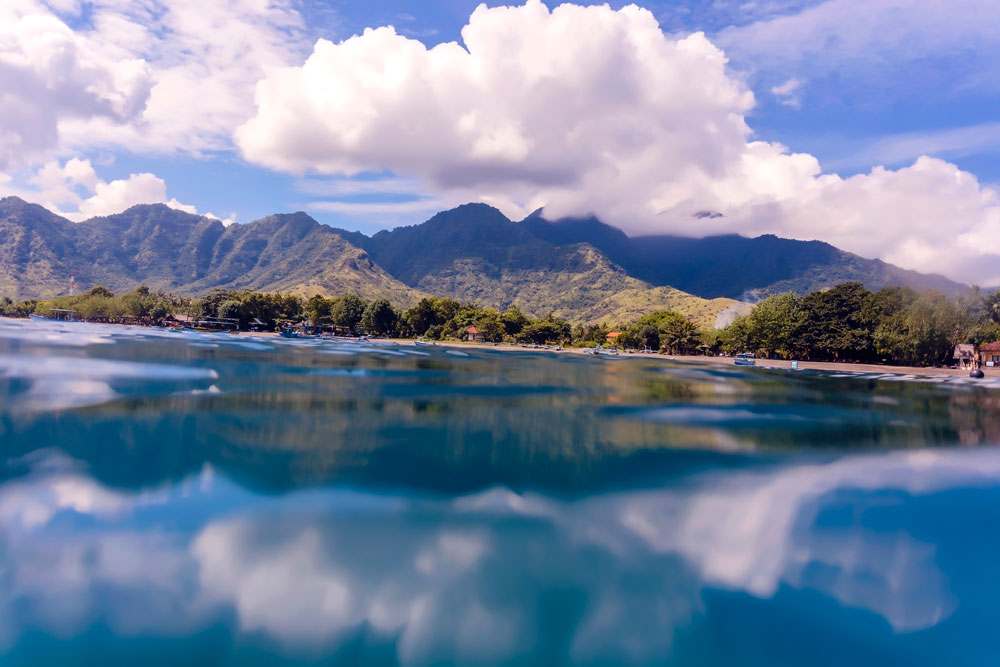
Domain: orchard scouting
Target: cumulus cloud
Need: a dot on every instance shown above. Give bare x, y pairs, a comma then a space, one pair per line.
205, 58
161, 76
590, 110
52, 74
73, 189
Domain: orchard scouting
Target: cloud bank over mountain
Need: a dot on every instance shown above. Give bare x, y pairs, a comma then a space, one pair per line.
590, 110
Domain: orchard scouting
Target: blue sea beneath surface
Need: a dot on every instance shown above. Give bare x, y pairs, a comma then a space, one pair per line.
175, 498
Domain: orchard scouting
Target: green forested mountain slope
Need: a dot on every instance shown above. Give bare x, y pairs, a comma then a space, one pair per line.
172, 250
731, 265
34, 247
580, 270
474, 253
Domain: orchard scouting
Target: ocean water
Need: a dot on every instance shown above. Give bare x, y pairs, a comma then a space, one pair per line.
196, 499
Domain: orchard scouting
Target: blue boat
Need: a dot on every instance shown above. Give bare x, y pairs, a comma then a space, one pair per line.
745, 359
58, 315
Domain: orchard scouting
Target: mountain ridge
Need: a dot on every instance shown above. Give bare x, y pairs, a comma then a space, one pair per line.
731, 265
576, 269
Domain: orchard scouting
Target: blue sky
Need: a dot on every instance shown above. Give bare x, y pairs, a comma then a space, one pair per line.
162, 89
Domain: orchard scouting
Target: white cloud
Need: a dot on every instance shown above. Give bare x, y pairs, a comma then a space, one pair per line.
74, 190
205, 58
51, 75
862, 42
160, 76
435, 575
378, 208
930, 216
120, 194
788, 93
591, 110
953, 142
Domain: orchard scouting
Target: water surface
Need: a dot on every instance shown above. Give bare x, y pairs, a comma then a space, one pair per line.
173, 498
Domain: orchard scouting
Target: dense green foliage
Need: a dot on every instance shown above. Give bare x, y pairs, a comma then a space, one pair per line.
11, 308
246, 306
895, 325
99, 304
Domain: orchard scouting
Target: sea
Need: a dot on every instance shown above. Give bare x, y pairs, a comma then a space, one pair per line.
172, 498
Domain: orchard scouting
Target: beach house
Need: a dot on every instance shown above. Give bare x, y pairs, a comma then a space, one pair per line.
989, 354
473, 336
965, 355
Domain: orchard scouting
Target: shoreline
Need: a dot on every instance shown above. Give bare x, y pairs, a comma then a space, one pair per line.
767, 364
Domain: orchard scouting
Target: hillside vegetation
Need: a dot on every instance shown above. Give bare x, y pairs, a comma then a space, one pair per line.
580, 271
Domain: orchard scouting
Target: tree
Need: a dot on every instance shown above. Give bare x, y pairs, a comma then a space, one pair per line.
317, 309
983, 333
490, 327
838, 323
422, 316
649, 337
992, 306
99, 291
735, 338
232, 309
513, 320
347, 311
543, 331
379, 317
676, 332
446, 309
921, 335
772, 324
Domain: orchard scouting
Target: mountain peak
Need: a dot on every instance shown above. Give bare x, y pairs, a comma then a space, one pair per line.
14, 203
473, 211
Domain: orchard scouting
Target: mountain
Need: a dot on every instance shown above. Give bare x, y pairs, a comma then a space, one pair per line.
475, 253
34, 244
168, 249
581, 269
731, 265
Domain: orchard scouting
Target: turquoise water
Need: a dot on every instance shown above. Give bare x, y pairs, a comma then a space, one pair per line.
195, 499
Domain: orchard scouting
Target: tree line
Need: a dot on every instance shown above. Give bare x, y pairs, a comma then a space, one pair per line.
895, 325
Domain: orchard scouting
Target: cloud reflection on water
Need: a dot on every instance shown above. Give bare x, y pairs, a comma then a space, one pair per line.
490, 577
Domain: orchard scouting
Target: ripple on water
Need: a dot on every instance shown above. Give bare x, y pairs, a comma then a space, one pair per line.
61, 382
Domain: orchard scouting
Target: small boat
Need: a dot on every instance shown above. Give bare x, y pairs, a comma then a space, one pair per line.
58, 315
745, 359
290, 333
423, 343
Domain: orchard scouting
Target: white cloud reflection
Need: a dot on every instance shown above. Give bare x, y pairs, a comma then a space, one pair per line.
483, 578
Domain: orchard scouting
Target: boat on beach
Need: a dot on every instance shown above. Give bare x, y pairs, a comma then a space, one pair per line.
58, 315
745, 359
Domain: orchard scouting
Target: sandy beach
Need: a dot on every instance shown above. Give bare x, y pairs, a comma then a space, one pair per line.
842, 367
728, 361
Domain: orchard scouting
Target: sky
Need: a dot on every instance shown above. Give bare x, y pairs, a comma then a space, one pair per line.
869, 124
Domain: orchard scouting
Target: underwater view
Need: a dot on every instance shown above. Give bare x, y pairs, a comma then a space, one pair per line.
213, 499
